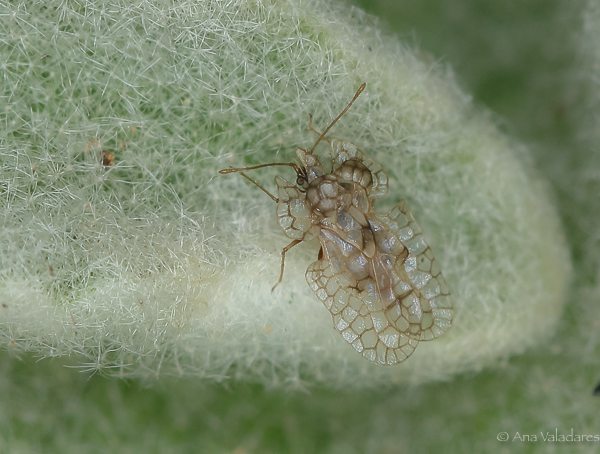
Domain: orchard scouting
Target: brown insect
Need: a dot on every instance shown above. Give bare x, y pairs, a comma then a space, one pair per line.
375, 273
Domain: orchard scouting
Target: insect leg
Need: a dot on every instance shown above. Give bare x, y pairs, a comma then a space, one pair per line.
242, 169
275, 199
285, 249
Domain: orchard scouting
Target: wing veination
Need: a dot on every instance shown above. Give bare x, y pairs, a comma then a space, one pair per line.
293, 211
358, 316
422, 292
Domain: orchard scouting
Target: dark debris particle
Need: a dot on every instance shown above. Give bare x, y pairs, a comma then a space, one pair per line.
108, 158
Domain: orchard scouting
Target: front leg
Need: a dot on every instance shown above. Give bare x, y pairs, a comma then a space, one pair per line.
285, 249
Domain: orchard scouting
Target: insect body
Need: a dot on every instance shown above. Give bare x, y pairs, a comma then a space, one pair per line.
375, 273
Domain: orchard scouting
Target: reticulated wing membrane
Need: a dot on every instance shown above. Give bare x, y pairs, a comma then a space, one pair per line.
359, 315
342, 151
427, 302
293, 212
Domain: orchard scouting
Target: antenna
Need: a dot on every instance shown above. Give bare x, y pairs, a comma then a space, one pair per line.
358, 92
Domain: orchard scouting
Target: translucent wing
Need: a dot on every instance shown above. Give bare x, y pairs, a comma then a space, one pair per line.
426, 300
342, 151
293, 212
358, 313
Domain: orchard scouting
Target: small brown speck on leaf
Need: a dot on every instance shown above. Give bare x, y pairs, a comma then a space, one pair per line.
108, 158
